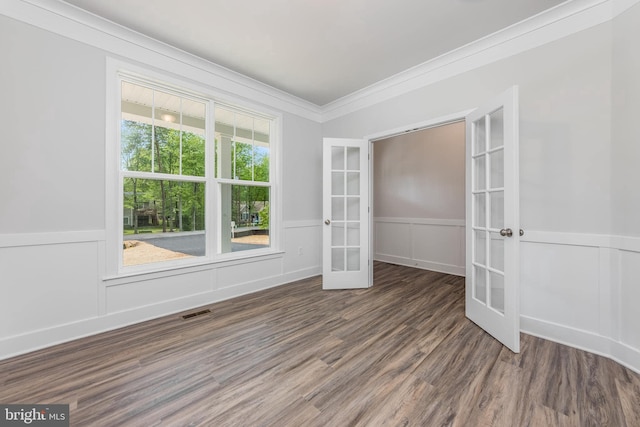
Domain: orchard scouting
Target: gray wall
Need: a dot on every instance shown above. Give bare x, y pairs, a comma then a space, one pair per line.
578, 177
420, 174
565, 124
56, 284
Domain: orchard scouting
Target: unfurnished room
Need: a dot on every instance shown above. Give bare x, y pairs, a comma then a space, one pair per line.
319, 213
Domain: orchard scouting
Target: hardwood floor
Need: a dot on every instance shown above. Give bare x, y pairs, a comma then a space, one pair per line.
399, 354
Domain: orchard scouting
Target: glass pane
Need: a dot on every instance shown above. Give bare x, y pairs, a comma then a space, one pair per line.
260, 163
242, 146
244, 217
353, 259
135, 146
353, 183
225, 129
261, 131
166, 127
480, 288
497, 209
192, 154
496, 160
497, 129
337, 209
337, 234
337, 259
479, 173
353, 234
353, 158
497, 291
155, 215
337, 158
480, 247
243, 161
193, 116
496, 249
479, 205
337, 183
135, 130
353, 208
243, 128
479, 143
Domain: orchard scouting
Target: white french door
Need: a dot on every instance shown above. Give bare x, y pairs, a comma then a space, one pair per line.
345, 248
492, 223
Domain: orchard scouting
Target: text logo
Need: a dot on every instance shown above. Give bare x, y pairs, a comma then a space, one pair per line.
34, 415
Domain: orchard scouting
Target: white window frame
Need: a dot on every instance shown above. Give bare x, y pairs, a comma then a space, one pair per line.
116, 72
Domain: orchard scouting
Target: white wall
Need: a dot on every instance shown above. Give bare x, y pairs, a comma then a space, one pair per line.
418, 198
626, 177
571, 280
578, 149
52, 201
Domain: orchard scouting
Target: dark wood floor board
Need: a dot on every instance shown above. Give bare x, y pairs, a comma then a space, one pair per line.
399, 354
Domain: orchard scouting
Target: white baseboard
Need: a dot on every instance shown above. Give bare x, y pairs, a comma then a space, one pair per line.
583, 340
47, 337
424, 265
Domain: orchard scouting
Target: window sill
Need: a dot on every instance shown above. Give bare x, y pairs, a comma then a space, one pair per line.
221, 260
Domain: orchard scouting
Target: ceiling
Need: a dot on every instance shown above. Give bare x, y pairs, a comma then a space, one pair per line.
317, 50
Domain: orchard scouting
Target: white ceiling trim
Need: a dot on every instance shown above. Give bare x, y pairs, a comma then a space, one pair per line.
620, 6
77, 24
553, 24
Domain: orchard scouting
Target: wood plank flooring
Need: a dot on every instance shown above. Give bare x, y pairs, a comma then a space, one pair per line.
399, 354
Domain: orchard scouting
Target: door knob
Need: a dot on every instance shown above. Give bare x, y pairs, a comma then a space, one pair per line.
506, 232
326, 221
521, 232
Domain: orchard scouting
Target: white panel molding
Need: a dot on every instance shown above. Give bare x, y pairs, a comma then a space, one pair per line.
625, 243
51, 238
422, 221
302, 224
35, 340
563, 20
74, 23
571, 239
455, 270
583, 340
416, 259
123, 279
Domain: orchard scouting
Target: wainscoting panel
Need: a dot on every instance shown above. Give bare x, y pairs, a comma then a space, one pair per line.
47, 285
303, 254
248, 271
432, 244
582, 290
132, 295
560, 283
55, 288
630, 299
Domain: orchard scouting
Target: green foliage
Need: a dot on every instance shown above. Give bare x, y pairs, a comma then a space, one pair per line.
173, 204
180, 205
264, 217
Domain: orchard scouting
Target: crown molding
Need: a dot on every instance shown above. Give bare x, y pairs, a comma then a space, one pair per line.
69, 21
74, 23
560, 21
620, 6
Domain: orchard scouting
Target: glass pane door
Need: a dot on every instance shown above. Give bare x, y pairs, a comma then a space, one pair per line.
345, 238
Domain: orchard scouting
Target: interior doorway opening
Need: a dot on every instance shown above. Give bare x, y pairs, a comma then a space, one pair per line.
418, 192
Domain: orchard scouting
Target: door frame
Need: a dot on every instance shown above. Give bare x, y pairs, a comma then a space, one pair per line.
426, 124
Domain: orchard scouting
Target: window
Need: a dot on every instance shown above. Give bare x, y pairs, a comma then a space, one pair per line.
190, 192
242, 160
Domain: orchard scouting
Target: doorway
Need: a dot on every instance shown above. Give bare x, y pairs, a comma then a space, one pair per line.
419, 198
